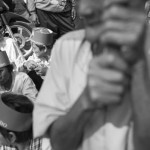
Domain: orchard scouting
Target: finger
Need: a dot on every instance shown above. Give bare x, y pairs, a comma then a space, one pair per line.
121, 25
106, 60
106, 92
108, 75
106, 100
38, 73
115, 12
100, 86
119, 38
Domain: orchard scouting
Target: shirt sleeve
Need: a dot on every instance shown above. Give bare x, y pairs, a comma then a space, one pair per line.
29, 88
52, 99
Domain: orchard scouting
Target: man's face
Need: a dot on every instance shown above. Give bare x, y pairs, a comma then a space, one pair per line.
4, 75
92, 11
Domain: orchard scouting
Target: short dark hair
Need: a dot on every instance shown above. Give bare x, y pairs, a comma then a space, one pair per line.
22, 104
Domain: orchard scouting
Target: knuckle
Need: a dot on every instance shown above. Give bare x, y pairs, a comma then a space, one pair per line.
114, 10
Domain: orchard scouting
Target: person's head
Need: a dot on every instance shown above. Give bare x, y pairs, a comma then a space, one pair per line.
42, 41
92, 12
15, 119
6, 68
107, 20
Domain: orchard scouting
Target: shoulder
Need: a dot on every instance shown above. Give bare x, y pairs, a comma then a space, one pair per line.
68, 45
76, 35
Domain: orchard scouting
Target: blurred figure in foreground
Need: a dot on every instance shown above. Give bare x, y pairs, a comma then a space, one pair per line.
96, 93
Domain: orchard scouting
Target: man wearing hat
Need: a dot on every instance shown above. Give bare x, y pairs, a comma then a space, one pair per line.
42, 41
12, 81
16, 129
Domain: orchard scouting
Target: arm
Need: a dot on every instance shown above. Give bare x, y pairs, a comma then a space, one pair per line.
70, 128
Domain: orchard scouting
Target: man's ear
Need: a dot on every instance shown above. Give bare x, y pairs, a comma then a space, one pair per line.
12, 137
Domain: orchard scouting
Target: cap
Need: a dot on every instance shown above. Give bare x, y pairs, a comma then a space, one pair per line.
42, 36
4, 60
13, 120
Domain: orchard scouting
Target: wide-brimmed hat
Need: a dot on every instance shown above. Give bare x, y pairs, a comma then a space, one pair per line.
42, 36
4, 60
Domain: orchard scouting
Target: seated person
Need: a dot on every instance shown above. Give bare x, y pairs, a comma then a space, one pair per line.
12, 81
16, 129
38, 63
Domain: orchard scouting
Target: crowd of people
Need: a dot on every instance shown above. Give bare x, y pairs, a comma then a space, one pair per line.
81, 88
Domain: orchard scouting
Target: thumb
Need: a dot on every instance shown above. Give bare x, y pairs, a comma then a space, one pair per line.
109, 60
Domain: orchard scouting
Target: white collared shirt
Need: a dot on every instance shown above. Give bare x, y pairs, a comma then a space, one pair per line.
66, 78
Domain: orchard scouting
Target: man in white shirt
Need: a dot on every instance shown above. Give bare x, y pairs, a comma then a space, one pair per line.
85, 101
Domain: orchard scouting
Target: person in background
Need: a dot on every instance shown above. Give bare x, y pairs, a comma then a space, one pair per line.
16, 124
12, 81
7, 44
57, 15
37, 64
147, 10
95, 95
19, 7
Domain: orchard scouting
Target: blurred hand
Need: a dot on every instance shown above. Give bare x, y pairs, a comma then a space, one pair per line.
41, 70
73, 13
30, 65
107, 79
